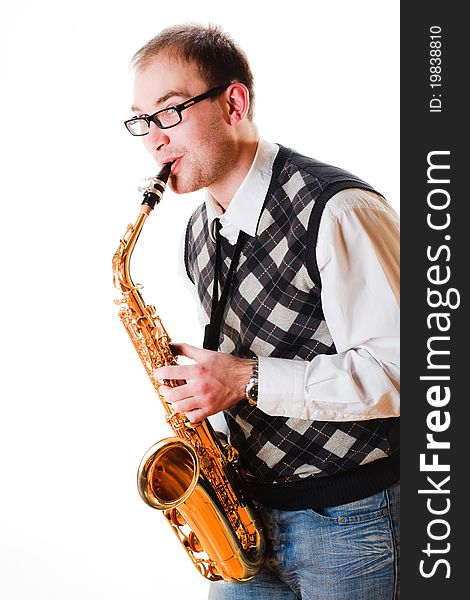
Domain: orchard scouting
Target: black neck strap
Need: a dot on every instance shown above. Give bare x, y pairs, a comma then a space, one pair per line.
212, 329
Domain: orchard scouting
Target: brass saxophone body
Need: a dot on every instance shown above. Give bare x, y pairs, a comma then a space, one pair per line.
191, 477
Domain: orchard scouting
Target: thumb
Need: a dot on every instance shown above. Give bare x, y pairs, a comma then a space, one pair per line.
189, 351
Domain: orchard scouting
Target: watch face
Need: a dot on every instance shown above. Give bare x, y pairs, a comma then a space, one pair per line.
252, 392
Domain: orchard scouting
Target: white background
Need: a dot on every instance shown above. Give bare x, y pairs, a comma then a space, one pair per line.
77, 411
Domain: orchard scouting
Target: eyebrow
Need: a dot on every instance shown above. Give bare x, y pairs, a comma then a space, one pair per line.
164, 98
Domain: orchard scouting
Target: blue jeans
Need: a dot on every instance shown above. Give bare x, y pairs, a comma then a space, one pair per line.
347, 552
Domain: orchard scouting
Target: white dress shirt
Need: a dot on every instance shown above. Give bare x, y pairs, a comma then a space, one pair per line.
358, 260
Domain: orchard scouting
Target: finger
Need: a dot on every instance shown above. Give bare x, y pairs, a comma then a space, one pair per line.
187, 405
195, 416
175, 394
173, 372
191, 351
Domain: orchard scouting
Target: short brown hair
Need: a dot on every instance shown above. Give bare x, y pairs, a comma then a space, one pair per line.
218, 57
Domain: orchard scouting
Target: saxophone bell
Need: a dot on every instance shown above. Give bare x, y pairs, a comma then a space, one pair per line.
168, 473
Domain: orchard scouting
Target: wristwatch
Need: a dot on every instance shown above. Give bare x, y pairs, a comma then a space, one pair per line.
251, 389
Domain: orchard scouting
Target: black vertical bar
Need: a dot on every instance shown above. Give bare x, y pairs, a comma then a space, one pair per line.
434, 120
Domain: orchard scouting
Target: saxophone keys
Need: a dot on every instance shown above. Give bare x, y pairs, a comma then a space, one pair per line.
151, 310
177, 518
194, 543
214, 574
231, 454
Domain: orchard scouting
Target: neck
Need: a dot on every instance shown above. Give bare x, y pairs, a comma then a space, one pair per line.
244, 153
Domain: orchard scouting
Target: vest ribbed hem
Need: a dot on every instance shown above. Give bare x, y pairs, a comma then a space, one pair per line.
319, 492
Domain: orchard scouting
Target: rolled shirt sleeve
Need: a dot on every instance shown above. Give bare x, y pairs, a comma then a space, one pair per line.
358, 260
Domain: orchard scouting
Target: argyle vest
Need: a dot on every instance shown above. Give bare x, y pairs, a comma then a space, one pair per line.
275, 309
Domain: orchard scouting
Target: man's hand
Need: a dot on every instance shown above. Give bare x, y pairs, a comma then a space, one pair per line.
216, 381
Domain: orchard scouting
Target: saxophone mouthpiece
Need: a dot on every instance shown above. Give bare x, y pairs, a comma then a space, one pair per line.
154, 191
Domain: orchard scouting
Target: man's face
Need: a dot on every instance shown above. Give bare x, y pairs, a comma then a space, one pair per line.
201, 145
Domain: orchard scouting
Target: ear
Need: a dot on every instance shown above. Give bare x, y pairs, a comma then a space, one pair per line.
237, 102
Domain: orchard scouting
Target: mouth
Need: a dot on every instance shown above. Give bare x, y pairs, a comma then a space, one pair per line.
175, 163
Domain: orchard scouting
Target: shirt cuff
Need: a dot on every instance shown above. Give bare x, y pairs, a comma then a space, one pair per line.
218, 423
281, 387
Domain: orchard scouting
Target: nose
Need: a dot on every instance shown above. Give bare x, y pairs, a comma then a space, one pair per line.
156, 139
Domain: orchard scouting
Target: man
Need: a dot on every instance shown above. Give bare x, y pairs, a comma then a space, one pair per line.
302, 353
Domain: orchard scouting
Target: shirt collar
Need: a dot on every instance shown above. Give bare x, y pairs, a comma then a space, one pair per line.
245, 207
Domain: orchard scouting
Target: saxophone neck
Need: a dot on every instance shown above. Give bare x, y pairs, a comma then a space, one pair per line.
122, 257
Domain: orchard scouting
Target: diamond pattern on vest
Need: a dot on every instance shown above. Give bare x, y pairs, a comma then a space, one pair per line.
275, 310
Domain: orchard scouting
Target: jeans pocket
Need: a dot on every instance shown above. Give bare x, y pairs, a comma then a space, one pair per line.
359, 511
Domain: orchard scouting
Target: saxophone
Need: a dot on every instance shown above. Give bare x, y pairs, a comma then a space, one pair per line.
190, 477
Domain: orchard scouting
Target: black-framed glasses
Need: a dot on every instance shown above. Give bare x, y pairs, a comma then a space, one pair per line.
168, 117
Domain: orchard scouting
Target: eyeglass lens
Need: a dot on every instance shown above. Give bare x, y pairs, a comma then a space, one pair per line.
165, 118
